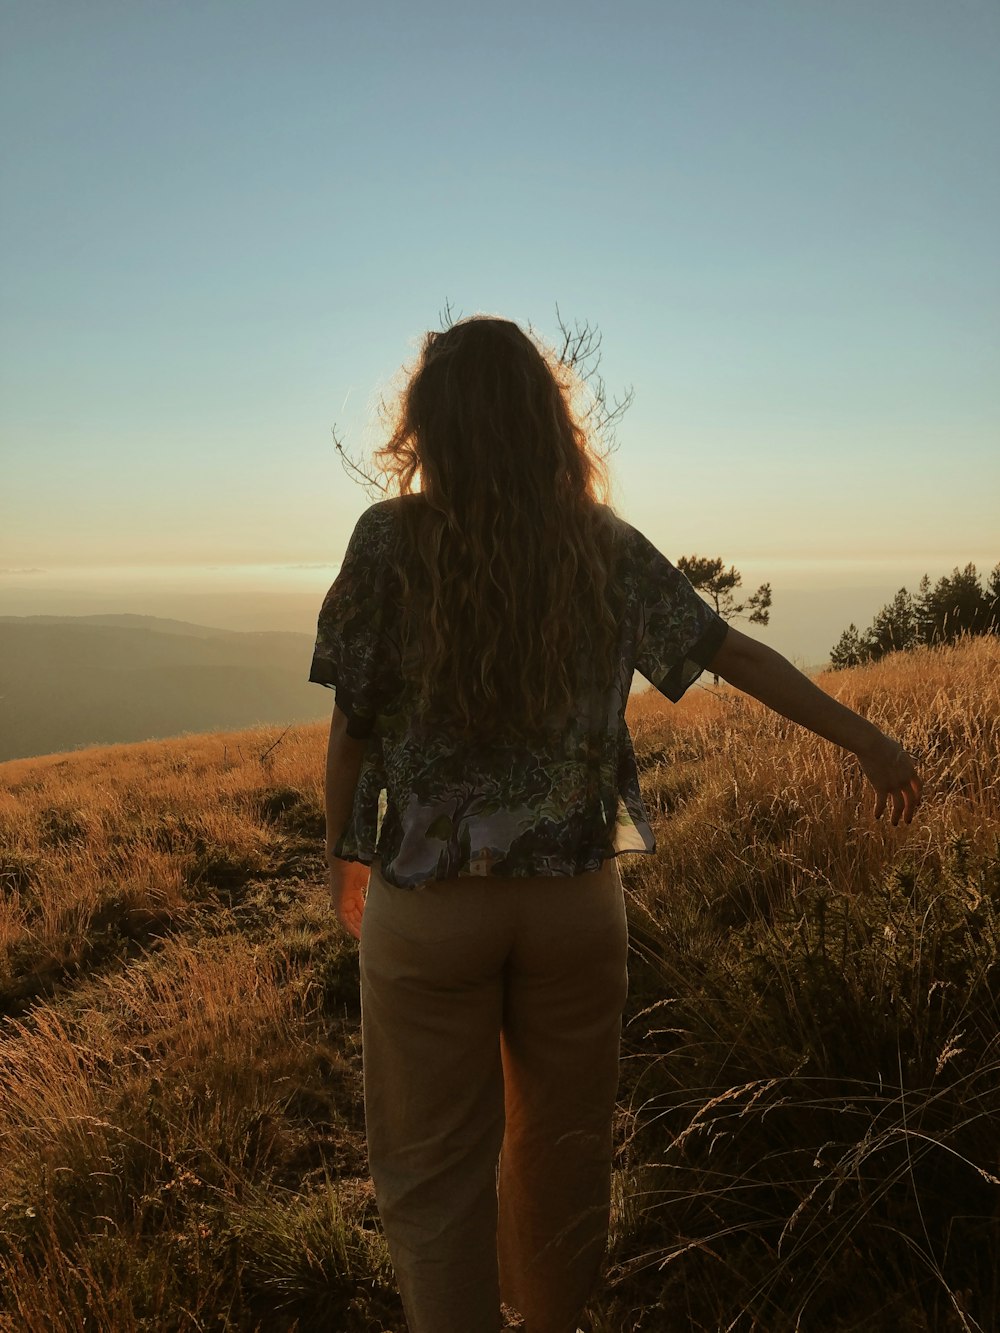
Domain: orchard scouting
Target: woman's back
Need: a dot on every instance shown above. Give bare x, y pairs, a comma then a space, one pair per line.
503, 549
558, 803
484, 626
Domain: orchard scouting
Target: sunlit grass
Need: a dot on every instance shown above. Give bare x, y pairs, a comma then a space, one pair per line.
812, 1074
810, 1092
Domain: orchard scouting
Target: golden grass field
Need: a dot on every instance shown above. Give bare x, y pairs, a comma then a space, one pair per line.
809, 1123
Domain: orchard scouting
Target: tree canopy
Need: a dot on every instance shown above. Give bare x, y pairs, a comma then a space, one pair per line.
711, 578
956, 605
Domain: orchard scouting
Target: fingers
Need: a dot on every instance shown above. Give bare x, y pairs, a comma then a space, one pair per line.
897, 806
347, 893
914, 790
904, 799
351, 922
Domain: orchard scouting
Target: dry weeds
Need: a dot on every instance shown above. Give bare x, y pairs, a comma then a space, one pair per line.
807, 1131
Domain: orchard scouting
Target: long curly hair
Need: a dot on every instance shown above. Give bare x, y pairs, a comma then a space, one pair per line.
506, 564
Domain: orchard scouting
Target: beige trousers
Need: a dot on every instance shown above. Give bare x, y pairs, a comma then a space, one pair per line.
491, 1023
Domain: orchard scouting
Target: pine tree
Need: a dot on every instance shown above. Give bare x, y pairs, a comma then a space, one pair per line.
710, 577
993, 602
849, 650
956, 605
923, 612
894, 628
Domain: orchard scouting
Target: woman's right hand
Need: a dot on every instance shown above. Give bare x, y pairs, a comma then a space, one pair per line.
894, 776
348, 881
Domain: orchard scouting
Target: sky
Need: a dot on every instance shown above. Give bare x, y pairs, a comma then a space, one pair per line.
225, 226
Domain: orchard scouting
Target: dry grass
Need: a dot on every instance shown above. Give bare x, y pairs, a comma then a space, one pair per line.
179, 1069
812, 1092
811, 1082
119, 843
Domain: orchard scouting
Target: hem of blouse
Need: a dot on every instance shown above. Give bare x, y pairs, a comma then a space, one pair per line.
416, 883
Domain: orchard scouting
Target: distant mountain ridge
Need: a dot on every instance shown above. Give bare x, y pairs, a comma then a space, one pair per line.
71, 681
129, 620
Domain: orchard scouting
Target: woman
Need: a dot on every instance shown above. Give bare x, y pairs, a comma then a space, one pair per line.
482, 635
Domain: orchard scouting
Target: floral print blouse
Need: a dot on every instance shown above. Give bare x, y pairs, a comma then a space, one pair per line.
440, 808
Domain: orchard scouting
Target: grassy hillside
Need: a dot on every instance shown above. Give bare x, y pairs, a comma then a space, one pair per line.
84, 680
807, 1129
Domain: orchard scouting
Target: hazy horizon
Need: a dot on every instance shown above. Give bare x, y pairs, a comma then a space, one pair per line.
812, 605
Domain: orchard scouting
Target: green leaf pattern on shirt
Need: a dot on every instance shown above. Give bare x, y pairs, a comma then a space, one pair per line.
430, 807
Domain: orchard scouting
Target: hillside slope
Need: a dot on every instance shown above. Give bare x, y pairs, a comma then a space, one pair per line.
806, 1130
69, 682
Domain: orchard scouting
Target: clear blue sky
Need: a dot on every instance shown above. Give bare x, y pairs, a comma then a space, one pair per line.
224, 226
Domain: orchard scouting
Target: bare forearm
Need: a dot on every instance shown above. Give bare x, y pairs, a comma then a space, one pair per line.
343, 767
771, 678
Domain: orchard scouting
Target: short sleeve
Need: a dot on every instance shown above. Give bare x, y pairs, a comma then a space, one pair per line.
350, 655
678, 632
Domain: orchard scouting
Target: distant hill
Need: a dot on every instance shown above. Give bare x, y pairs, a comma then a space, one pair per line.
70, 681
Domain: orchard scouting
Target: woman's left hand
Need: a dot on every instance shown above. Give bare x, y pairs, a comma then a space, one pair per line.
348, 884
892, 773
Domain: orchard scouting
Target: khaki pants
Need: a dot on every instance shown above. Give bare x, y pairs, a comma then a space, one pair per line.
491, 1022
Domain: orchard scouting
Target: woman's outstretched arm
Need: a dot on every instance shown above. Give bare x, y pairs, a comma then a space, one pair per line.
758, 670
